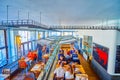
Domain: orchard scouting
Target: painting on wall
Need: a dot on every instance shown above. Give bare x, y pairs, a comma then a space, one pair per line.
100, 54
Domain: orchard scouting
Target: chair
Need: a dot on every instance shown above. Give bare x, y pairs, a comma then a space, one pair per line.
7, 72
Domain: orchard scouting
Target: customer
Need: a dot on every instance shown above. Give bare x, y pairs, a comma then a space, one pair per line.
69, 73
30, 76
59, 72
62, 60
61, 53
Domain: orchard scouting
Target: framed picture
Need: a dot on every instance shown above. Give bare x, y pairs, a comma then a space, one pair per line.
100, 54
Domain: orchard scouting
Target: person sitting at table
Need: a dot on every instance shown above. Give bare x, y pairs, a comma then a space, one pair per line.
75, 57
22, 64
44, 49
30, 76
61, 53
30, 55
68, 56
45, 58
69, 73
72, 51
62, 60
59, 72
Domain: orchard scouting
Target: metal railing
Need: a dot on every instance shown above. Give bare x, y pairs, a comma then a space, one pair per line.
45, 73
87, 27
21, 23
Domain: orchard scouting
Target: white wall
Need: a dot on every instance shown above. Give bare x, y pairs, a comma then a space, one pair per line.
118, 37
106, 38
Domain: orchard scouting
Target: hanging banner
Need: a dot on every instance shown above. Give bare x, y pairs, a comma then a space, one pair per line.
18, 41
39, 35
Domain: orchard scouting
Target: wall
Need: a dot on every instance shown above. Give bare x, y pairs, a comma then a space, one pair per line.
106, 38
118, 37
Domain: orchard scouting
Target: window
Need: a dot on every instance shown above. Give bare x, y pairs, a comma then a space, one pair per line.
32, 36
24, 35
30, 46
3, 55
2, 39
26, 48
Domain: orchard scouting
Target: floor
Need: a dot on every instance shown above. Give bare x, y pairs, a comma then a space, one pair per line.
88, 69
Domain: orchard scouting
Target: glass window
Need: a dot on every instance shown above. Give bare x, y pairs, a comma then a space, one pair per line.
22, 50
30, 46
26, 48
27, 35
2, 38
41, 34
3, 58
32, 35
33, 45
58, 33
24, 35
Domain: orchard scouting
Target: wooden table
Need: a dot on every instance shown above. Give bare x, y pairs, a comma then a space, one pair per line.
4, 76
81, 76
36, 69
79, 68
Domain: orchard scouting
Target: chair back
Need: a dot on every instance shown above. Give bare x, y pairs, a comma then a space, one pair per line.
6, 71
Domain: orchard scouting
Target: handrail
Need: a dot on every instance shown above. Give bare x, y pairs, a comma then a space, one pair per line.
45, 73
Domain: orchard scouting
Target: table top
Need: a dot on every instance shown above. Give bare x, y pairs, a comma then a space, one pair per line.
27, 59
80, 68
36, 67
4, 76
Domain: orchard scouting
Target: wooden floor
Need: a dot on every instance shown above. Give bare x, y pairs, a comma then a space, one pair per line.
89, 71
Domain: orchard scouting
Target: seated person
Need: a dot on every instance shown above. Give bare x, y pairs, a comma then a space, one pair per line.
30, 55
62, 60
35, 54
61, 53
69, 73
75, 57
72, 51
59, 72
44, 49
67, 54
22, 64
30, 76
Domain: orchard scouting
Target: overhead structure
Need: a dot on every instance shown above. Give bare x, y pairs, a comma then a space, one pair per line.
26, 23
86, 27
33, 24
